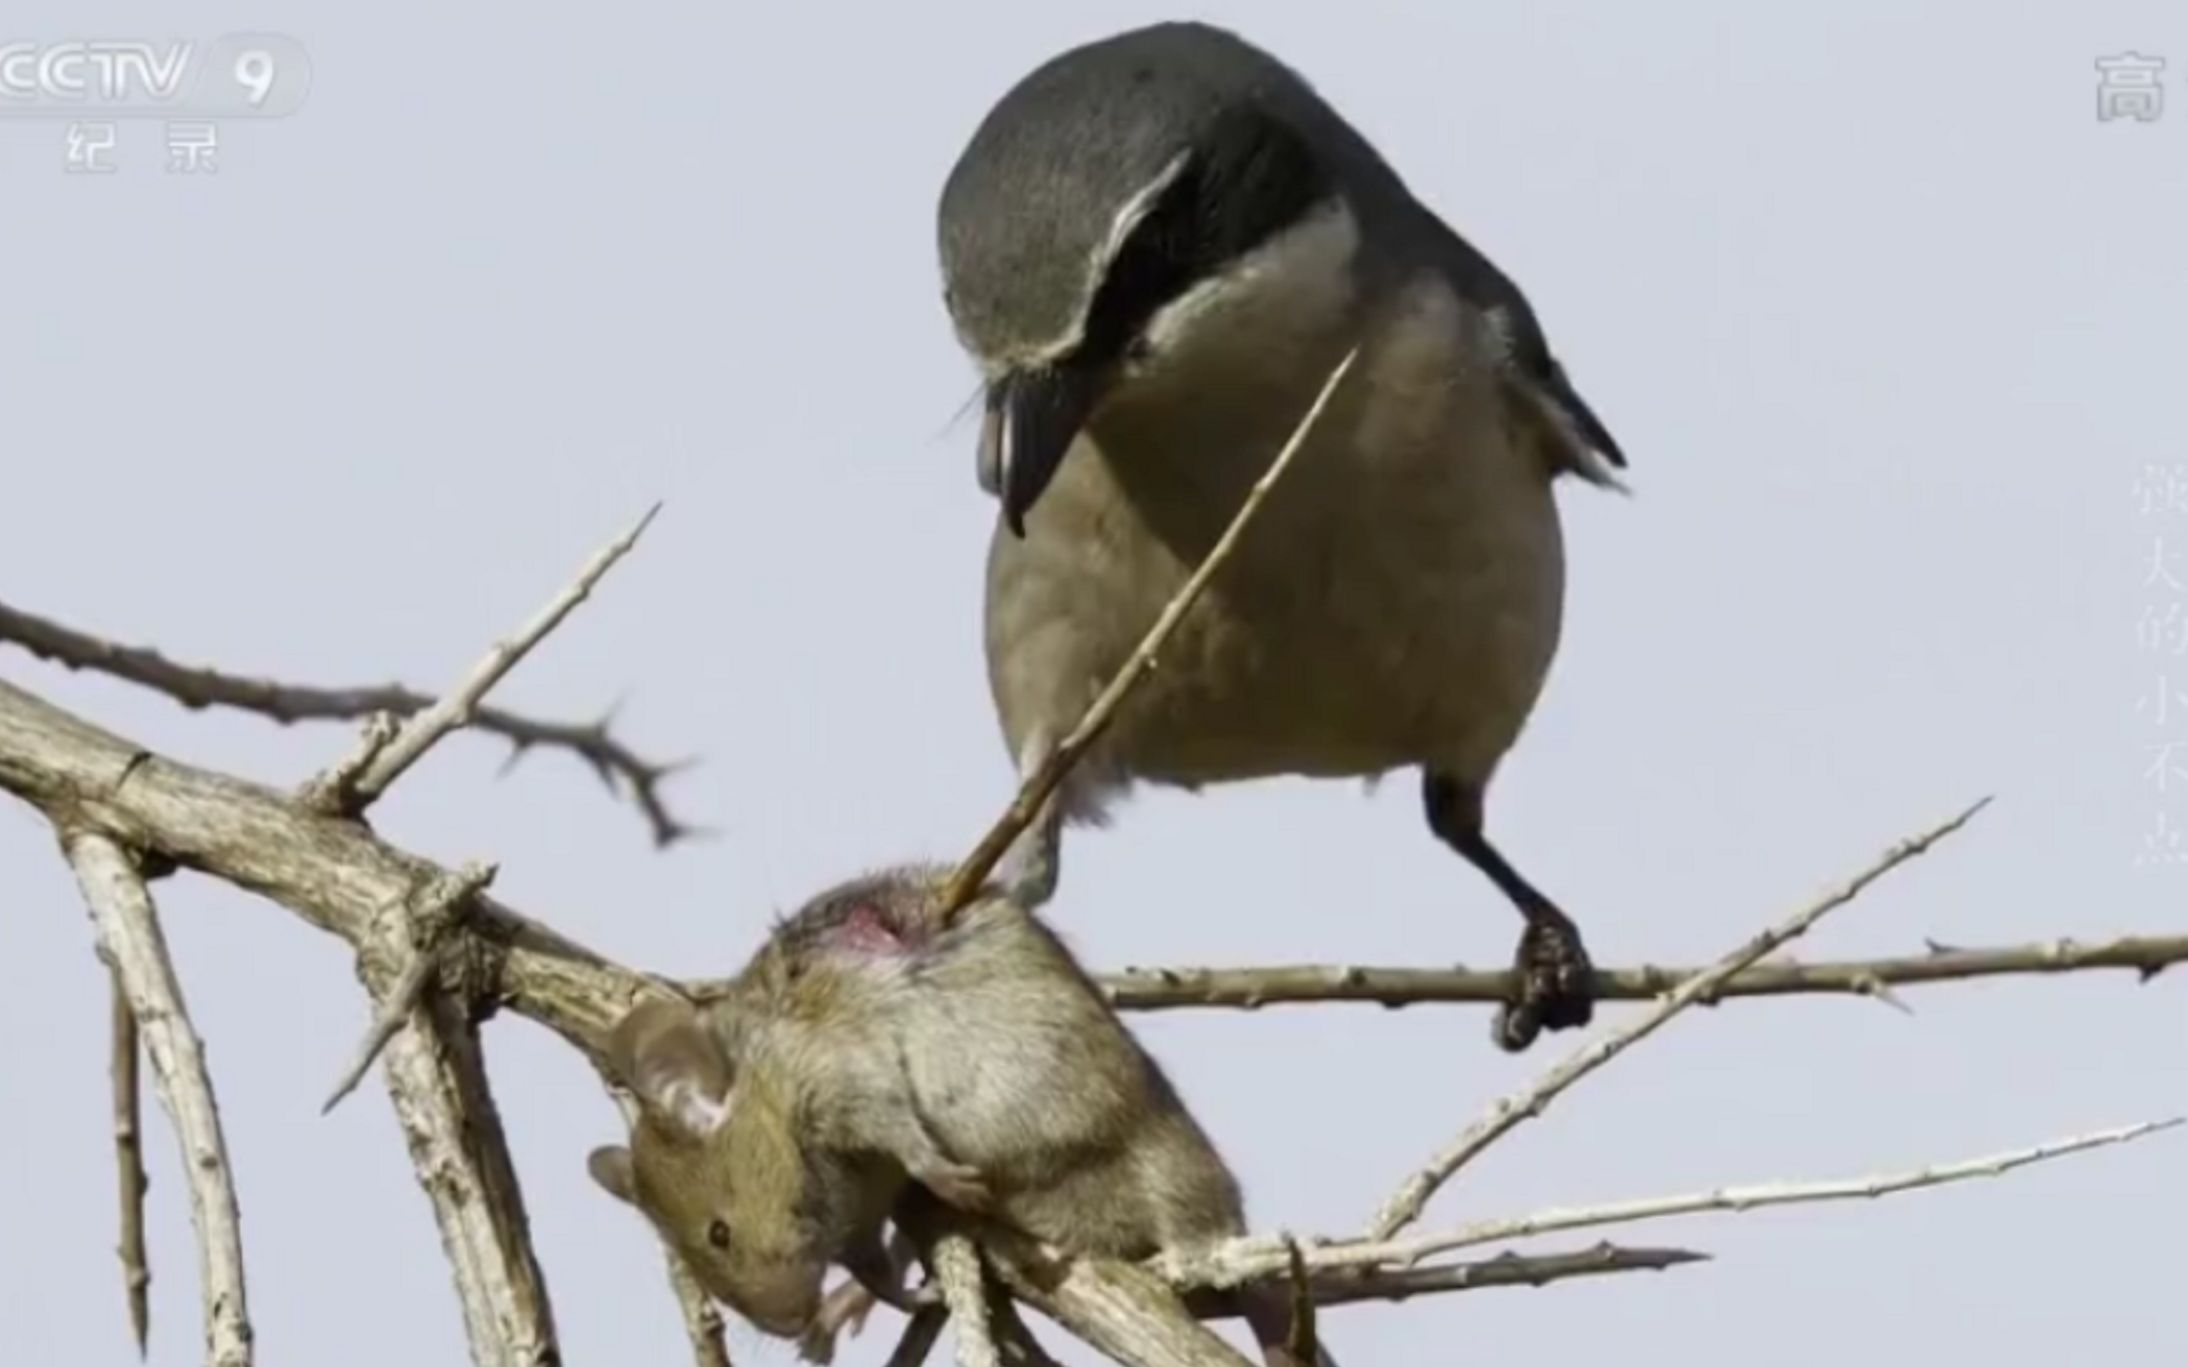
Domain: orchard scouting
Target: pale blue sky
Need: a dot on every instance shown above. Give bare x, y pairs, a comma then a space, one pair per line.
1886, 318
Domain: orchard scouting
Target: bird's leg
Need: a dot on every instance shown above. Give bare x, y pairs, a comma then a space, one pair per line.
1028, 869
1556, 988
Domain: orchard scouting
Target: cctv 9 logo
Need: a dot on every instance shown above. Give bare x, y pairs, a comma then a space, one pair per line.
236, 76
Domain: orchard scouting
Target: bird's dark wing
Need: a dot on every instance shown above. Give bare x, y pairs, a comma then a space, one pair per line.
1585, 445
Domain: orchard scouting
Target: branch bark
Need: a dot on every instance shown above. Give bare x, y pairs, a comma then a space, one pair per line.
435, 1073
340, 877
437, 1079
958, 1272
1406, 1203
1164, 989
427, 921
134, 949
1351, 1287
333, 873
702, 1319
129, 1165
1122, 1310
460, 705
1262, 1258
197, 688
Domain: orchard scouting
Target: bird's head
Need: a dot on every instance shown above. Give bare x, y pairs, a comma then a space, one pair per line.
1109, 200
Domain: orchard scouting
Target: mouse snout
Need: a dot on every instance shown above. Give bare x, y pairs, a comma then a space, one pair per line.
781, 1301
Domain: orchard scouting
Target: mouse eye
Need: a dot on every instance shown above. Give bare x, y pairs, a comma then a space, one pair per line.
718, 1234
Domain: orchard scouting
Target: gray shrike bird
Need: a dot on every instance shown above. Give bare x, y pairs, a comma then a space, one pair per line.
1156, 247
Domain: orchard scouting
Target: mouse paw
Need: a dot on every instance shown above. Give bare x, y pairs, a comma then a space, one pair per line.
956, 1184
842, 1314
1556, 986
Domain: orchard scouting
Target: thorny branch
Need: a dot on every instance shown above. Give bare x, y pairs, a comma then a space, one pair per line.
357, 781
129, 1164
1253, 1258
439, 907
1163, 989
436, 1077
136, 952
619, 767
1406, 1203
460, 705
435, 1073
1506, 1269
339, 877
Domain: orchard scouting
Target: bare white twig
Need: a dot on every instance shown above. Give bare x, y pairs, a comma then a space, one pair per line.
1352, 1286
1025, 808
379, 759
434, 1073
129, 1164
1250, 989
1405, 1204
445, 1107
957, 1271
437, 911
454, 710
334, 788
133, 947
1242, 1259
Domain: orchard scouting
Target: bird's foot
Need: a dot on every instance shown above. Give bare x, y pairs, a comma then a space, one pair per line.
1556, 985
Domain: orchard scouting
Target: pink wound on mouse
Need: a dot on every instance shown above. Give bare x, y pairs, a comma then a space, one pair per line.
868, 928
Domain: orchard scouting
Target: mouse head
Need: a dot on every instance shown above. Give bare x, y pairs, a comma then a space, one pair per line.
715, 1165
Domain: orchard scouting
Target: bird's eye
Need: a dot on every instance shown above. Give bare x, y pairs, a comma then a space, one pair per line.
718, 1234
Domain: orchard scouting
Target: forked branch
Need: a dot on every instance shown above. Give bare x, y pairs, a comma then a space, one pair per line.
1262, 1258
135, 950
595, 742
1406, 1203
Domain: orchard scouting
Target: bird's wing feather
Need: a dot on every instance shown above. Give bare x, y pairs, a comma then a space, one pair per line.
1585, 445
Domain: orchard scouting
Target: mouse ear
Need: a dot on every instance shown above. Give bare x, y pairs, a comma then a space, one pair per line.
665, 1053
610, 1165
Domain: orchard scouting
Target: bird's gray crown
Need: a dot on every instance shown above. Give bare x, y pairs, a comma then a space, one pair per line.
1119, 174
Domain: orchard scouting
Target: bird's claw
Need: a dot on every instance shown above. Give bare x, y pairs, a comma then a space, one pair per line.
1556, 985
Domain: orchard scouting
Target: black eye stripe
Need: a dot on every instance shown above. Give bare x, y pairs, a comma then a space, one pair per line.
1248, 179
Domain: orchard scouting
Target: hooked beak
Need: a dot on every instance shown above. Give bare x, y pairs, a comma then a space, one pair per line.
1033, 416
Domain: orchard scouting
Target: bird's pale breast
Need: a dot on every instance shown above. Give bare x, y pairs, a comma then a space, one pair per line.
1395, 603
